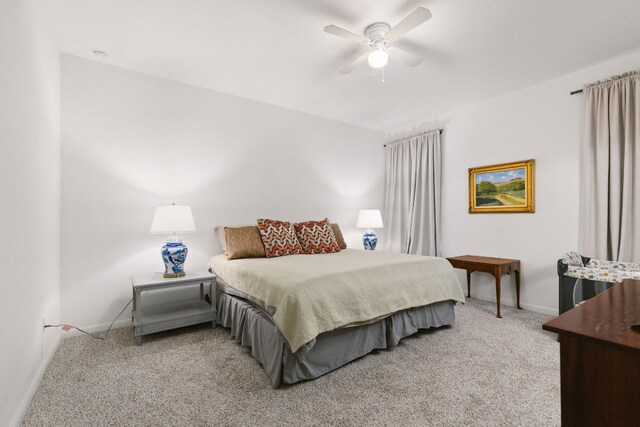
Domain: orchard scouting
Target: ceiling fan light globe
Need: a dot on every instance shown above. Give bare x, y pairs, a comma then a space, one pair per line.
378, 58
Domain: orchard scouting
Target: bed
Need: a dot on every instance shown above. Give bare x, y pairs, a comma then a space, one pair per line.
306, 315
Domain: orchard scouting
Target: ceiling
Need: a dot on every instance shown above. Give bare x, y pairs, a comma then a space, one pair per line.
275, 51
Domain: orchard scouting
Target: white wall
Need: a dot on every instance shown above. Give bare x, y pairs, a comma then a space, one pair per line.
30, 203
544, 123
131, 142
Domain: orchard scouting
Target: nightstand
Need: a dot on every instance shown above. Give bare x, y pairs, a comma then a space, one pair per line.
150, 318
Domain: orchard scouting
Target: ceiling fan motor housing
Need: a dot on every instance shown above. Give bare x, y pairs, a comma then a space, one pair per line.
376, 33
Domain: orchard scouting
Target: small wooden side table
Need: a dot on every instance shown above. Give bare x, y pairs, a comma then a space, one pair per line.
171, 315
495, 266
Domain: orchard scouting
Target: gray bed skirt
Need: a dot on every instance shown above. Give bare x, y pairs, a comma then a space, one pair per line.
252, 327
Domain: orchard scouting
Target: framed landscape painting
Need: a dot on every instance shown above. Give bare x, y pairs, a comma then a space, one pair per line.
507, 187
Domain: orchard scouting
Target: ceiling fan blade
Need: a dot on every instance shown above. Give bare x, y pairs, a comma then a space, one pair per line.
345, 34
415, 18
355, 63
405, 57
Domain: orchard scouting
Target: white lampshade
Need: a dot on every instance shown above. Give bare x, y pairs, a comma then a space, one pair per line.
173, 219
369, 218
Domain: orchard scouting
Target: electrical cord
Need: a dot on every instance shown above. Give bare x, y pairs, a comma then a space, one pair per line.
67, 327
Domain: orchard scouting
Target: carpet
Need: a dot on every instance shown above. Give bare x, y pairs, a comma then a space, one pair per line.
482, 372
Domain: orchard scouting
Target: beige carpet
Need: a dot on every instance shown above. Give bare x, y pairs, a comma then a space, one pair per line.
482, 372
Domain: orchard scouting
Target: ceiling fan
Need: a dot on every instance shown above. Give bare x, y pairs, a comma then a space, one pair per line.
378, 37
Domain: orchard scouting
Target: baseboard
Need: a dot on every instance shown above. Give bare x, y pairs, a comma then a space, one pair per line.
539, 309
531, 307
33, 387
122, 323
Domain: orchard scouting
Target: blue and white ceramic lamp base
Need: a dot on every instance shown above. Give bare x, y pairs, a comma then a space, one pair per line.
369, 240
174, 254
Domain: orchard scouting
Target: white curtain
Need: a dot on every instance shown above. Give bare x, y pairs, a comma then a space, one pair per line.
610, 167
412, 195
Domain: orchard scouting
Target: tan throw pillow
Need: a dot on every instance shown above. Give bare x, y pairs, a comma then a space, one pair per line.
279, 238
339, 237
219, 230
316, 237
244, 242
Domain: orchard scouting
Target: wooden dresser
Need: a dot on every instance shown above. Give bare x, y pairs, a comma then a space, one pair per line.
600, 359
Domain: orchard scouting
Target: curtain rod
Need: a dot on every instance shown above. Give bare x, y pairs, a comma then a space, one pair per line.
610, 79
411, 136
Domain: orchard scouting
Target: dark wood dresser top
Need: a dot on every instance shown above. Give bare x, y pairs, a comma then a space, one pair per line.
605, 318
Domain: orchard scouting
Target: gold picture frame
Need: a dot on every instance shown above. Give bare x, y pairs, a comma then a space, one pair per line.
502, 188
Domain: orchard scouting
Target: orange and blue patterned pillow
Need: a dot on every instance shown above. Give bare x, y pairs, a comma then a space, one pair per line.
316, 237
279, 238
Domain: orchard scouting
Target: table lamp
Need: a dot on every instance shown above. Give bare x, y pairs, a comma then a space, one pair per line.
172, 219
369, 219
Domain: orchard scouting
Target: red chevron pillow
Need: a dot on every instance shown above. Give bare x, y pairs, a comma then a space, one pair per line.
316, 237
279, 238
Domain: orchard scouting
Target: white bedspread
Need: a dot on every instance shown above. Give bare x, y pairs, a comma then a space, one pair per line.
312, 294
